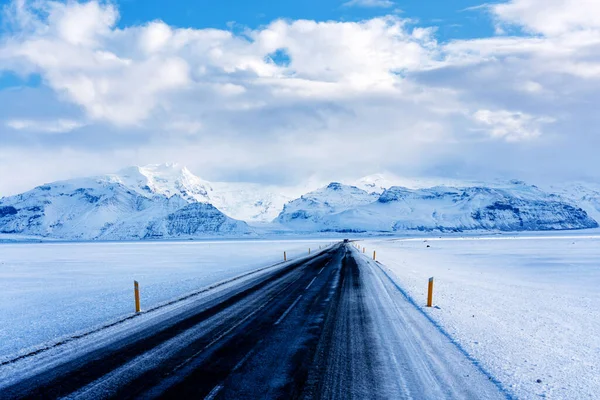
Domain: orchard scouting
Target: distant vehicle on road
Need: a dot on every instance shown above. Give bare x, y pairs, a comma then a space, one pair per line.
346, 240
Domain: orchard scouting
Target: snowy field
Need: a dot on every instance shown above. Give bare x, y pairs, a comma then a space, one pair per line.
49, 290
527, 308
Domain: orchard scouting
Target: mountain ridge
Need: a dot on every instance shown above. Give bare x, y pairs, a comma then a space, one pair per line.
113, 207
169, 201
515, 207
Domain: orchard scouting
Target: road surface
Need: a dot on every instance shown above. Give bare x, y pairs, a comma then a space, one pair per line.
331, 326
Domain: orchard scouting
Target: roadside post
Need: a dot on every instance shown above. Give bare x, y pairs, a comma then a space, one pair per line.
374, 255
430, 293
136, 292
284, 256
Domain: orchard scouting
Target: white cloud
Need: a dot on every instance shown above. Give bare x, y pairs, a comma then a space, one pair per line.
484, 6
550, 17
73, 46
84, 24
123, 76
369, 3
510, 126
48, 126
155, 37
354, 97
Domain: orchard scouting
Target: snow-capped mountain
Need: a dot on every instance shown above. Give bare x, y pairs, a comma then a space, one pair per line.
379, 183
376, 183
244, 201
586, 195
163, 179
308, 211
514, 207
139, 203
168, 201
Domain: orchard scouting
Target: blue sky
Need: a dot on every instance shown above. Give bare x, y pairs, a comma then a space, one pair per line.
282, 92
454, 19
451, 18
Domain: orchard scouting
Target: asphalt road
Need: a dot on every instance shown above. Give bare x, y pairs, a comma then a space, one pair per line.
329, 327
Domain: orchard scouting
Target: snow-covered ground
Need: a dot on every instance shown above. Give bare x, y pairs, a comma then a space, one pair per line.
50, 290
527, 309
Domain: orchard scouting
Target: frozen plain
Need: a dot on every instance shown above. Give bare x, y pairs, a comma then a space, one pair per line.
526, 308
53, 290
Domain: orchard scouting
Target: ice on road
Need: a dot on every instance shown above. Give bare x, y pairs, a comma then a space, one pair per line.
377, 345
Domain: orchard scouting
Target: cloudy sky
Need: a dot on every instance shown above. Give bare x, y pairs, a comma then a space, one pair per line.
277, 92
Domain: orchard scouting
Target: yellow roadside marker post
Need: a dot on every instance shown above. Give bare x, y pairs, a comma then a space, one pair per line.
430, 293
374, 254
136, 292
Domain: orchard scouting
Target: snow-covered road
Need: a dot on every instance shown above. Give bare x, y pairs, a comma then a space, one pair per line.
331, 325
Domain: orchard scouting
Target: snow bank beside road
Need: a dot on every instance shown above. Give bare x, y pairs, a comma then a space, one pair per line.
48, 290
528, 309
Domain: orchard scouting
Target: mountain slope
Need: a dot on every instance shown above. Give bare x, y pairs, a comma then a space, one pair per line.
164, 179
379, 183
584, 194
245, 201
105, 208
515, 207
168, 201
307, 212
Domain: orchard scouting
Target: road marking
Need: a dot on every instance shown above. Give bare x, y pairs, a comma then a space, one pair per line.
311, 282
222, 335
288, 310
213, 393
321, 270
247, 356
